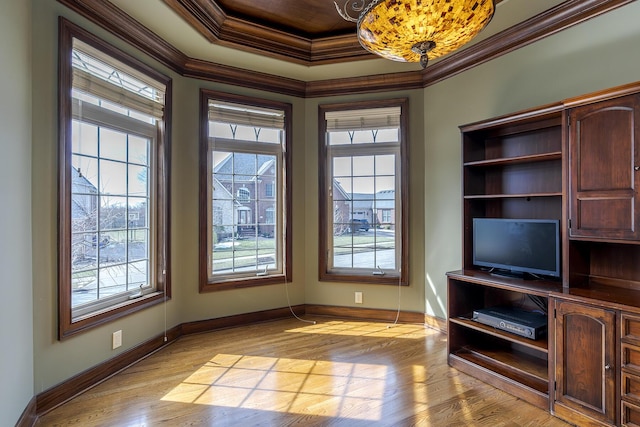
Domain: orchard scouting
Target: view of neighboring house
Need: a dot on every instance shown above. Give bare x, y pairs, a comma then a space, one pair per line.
377, 208
249, 186
224, 211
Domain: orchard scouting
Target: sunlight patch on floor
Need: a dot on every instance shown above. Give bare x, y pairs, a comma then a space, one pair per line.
320, 388
365, 329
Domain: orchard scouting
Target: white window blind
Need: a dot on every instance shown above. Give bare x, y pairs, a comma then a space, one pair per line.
116, 82
374, 118
237, 114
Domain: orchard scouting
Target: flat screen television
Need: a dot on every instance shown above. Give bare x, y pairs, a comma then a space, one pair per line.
517, 247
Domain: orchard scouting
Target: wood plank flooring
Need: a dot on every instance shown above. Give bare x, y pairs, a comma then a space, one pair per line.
291, 373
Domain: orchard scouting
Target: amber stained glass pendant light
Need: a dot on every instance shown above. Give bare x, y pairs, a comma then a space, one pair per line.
416, 30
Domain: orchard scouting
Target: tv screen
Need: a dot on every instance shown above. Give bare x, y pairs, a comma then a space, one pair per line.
517, 245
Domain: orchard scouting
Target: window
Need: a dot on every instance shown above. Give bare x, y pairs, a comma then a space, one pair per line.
386, 217
245, 237
270, 190
363, 192
113, 160
243, 195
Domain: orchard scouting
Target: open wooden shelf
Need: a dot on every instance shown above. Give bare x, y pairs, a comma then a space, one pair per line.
528, 388
543, 157
484, 278
539, 344
519, 367
512, 196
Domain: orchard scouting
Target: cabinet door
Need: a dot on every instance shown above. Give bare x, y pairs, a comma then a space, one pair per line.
585, 358
603, 165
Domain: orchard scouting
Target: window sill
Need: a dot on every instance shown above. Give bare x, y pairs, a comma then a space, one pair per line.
108, 314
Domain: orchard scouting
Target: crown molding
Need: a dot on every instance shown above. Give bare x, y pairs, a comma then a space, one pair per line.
114, 20
216, 26
561, 17
366, 84
209, 71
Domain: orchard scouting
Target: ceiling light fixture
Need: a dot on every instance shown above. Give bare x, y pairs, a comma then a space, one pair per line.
416, 30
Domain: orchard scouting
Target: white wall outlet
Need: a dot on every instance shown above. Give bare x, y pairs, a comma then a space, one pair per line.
116, 339
358, 297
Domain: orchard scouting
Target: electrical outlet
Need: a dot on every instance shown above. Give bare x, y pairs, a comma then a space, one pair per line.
116, 339
358, 297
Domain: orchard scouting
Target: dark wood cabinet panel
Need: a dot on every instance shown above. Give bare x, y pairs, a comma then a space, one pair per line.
585, 360
603, 163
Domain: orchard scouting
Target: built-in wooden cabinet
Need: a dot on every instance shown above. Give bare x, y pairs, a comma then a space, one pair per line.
604, 169
585, 362
577, 161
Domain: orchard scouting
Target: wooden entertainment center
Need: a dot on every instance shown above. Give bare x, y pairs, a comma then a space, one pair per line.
576, 161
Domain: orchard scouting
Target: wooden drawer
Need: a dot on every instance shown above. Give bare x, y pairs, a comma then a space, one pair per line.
631, 387
630, 415
631, 358
630, 327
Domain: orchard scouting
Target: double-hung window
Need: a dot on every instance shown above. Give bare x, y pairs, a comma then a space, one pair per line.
245, 150
113, 183
363, 192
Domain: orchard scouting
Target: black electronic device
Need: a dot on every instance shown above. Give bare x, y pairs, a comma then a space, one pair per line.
521, 322
517, 246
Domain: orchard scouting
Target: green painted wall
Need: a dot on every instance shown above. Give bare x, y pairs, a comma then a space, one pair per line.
16, 310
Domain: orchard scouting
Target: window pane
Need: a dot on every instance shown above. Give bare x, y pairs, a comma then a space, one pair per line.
138, 150
83, 287
339, 138
137, 213
84, 213
113, 280
364, 136
112, 177
84, 176
113, 145
85, 139
137, 244
363, 166
342, 166
385, 165
137, 180
138, 273
84, 251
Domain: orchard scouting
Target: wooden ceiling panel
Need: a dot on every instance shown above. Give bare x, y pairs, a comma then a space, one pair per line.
305, 18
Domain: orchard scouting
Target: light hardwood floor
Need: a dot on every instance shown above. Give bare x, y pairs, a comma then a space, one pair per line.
290, 373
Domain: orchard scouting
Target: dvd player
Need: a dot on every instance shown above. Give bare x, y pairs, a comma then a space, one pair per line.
521, 322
